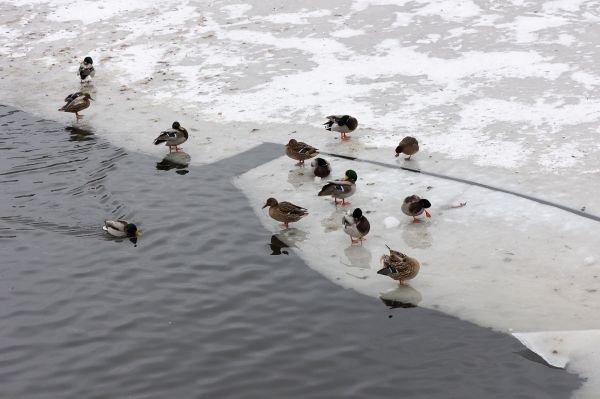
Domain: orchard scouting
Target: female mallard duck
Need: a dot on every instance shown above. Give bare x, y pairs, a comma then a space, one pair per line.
341, 188
75, 103
121, 228
86, 70
342, 124
173, 137
300, 151
409, 146
356, 225
321, 167
414, 205
285, 212
399, 266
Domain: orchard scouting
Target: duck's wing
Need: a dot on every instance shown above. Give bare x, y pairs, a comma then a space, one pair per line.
336, 187
409, 141
166, 135
303, 148
119, 225
363, 226
291, 209
395, 268
72, 97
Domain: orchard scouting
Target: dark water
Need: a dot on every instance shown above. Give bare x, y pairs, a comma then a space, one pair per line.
200, 308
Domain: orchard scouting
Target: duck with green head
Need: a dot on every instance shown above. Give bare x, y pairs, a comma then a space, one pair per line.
86, 70
173, 137
342, 188
121, 228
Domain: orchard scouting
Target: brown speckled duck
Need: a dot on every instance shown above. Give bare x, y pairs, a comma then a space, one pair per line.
75, 103
414, 206
399, 266
300, 151
285, 212
409, 146
341, 123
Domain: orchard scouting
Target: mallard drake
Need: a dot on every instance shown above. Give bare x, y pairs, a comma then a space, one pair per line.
399, 266
321, 167
342, 124
409, 146
121, 228
75, 103
300, 151
285, 212
173, 137
86, 69
414, 205
356, 225
343, 188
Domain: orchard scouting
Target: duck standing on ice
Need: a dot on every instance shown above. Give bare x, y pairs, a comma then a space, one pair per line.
414, 206
356, 225
409, 146
341, 123
173, 137
300, 151
343, 188
399, 266
76, 103
86, 70
285, 212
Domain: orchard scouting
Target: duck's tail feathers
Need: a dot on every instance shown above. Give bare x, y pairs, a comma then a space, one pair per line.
157, 141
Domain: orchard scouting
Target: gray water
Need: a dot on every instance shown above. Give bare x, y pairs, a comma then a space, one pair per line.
201, 306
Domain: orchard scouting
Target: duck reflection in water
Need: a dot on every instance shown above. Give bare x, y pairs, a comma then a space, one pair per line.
175, 160
80, 134
358, 256
402, 297
286, 239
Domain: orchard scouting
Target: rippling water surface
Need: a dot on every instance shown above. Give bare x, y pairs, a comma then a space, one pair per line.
200, 307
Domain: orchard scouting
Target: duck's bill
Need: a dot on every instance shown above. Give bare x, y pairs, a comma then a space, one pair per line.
138, 233
345, 178
264, 206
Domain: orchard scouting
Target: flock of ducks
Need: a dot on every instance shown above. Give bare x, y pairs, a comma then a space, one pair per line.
398, 266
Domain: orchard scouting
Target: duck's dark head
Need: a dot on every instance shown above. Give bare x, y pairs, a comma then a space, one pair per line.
88, 60
357, 214
424, 203
176, 125
270, 202
132, 230
398, 151
321, 162
351, 176
292, 142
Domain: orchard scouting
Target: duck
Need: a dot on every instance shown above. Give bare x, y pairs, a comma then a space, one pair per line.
399, 267
341, 123
321, 167
285, 212
86, 69
414, 206
75, 103
409, 146
342, 188
121, 228
300, 151
356, 225
173, 137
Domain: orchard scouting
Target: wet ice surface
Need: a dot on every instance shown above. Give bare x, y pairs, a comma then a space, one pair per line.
201, 308
501, 93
